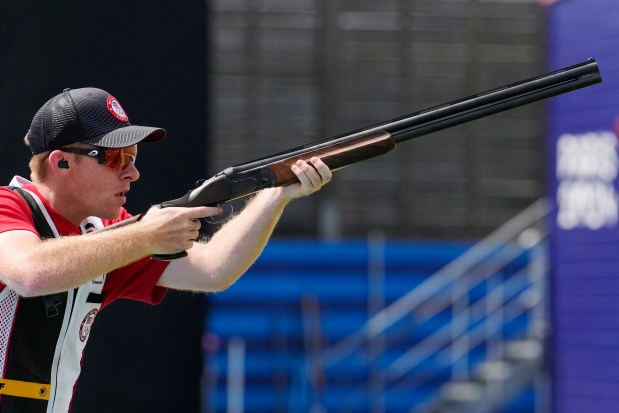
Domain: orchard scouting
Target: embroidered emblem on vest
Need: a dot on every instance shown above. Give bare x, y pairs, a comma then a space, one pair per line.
87, 324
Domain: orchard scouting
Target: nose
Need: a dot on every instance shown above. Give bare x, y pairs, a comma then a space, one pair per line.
130, 173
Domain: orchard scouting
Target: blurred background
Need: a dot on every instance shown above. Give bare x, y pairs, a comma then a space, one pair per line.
472, 270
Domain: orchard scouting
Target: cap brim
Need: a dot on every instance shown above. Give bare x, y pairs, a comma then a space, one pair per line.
127, 136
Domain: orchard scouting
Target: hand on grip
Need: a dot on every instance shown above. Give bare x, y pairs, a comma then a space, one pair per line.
173, 230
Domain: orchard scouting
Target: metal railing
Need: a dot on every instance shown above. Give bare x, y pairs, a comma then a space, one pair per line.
474, 323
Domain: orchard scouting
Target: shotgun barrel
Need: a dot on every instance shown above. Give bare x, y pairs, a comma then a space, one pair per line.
459, 111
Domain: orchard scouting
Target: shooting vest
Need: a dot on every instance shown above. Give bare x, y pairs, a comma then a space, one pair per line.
42, 338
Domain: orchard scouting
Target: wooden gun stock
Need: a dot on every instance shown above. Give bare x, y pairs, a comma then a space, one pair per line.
336, 156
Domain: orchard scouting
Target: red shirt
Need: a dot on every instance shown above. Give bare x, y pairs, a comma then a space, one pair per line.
136, 281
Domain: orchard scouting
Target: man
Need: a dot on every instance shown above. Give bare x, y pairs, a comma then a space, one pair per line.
84, 151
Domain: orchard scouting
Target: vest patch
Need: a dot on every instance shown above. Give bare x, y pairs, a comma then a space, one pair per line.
87, 324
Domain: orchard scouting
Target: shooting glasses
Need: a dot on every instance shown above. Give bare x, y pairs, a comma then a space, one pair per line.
114, 158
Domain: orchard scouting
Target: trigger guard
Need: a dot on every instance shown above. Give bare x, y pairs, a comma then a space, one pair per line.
228, 210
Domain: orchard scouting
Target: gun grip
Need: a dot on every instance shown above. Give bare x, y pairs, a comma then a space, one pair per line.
169, 257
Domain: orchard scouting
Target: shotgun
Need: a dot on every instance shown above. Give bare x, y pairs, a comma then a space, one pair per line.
352, 147
375, 140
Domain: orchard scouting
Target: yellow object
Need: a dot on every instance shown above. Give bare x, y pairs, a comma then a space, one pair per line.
24, 389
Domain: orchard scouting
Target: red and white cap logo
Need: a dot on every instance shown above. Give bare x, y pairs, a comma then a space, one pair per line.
116, 110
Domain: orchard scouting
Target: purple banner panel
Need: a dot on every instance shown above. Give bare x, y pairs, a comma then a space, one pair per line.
583, 167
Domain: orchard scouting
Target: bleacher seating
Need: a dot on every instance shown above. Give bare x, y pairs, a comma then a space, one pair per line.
328, 281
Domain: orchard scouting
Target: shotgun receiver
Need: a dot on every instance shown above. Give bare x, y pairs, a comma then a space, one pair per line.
342, 150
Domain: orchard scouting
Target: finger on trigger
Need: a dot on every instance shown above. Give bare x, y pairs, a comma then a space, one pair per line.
209, 211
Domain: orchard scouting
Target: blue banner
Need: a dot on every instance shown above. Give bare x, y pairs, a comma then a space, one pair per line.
583, 169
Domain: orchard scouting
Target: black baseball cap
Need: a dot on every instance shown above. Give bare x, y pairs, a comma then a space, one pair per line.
87, 115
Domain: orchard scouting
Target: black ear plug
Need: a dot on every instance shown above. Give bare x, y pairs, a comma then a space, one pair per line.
63, 164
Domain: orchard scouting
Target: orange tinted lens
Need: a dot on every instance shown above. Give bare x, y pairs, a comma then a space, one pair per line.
120, 158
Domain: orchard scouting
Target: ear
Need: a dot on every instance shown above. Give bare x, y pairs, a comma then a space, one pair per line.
57, 161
